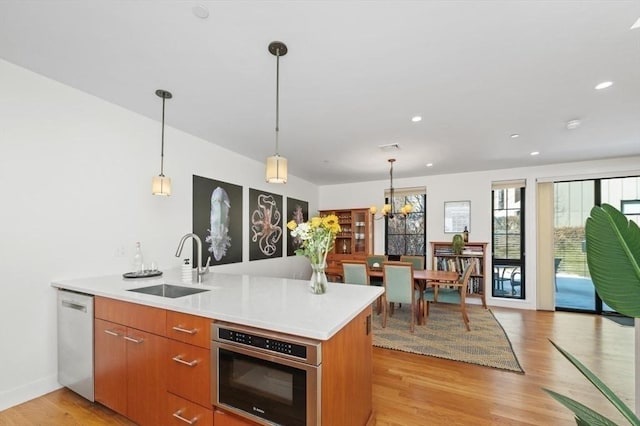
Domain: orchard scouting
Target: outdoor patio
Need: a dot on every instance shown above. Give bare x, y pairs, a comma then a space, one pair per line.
572, 292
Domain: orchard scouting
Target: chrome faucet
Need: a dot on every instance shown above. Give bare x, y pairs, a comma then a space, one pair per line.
200, 271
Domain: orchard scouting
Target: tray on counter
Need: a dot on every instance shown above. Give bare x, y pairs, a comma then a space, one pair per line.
147, 273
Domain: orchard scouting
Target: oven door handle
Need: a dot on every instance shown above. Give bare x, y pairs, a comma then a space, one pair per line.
263, 355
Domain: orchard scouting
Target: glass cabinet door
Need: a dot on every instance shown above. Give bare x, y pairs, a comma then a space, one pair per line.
359, 232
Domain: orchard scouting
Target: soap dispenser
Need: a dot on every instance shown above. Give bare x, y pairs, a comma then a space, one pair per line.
187, 275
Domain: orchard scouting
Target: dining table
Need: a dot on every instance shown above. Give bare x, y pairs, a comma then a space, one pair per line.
422, 279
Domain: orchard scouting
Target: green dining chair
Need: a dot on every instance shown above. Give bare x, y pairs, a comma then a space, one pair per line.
417, 261
355, 272
456, 294
379, 259
399, 288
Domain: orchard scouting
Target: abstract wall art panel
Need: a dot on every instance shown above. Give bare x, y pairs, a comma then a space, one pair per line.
266, 226
217, 220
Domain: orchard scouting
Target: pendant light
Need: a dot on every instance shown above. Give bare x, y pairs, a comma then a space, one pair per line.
161, 185
388, 209
276, 170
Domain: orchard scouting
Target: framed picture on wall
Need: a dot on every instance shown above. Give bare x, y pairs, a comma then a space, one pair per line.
266, 225
298, 211
217, 220
457, 216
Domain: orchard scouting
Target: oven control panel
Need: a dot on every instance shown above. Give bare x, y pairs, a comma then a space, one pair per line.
256, 341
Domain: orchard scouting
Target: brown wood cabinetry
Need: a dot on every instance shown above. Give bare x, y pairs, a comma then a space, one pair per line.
130, 362
347, 369
188, 328
158, 372
444, 259
110, 365
182, 412
355, 241
189, 369
222, 418
189, 372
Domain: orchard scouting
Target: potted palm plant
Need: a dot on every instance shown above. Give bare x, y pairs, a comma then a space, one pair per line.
457, 244
613, 257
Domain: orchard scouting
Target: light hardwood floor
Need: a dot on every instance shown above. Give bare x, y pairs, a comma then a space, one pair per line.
419, 390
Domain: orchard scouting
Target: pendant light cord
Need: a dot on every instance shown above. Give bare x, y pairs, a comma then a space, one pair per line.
277, 99
391, 190
162, 144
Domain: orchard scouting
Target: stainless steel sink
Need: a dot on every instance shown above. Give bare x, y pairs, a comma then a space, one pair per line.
168, 290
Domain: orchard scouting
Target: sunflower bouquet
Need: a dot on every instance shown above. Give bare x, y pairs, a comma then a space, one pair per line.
317, 235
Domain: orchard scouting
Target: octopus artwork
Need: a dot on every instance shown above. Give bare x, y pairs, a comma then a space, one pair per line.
265, 227
218, 238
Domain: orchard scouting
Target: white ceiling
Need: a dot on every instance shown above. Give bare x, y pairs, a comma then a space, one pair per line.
355, 74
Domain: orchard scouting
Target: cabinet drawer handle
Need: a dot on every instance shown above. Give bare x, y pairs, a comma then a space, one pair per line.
179, 359
131, 339
184, 330
178, 415
112, 333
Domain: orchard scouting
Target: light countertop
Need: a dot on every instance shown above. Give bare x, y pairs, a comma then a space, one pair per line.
277, 304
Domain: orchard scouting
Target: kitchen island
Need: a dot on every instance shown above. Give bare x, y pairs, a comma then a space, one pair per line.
283, 309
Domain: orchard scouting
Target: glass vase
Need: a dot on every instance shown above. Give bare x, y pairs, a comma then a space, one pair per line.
318, 282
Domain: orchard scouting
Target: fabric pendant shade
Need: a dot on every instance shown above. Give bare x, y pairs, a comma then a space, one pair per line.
276, 169
161, 185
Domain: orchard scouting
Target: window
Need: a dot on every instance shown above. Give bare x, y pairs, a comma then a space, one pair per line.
508, 240
405, 235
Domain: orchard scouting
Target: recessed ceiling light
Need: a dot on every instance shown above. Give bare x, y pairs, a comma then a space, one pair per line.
416, 118
200, 11
515, 136
534, 153
573, 124
636, 25
389, 147
429, 164
604, 85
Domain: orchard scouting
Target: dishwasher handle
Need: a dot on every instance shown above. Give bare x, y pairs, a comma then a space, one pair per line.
74, 305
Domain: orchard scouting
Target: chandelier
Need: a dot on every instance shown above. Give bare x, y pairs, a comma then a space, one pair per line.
388, 210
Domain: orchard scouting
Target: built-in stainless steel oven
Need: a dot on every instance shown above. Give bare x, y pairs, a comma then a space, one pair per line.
268, 377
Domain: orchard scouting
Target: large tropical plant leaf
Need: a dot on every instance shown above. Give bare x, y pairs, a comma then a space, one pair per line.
613, 256
584, 414
577, 408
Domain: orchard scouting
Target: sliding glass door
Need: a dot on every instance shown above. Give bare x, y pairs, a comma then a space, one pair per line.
573, 285
573, 203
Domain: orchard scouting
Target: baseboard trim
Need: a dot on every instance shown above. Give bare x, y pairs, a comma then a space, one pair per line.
27, 392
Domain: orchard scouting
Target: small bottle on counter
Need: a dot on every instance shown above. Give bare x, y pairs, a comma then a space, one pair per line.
187, 272
138, 260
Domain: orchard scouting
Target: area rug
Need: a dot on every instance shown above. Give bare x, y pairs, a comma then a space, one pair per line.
445, 336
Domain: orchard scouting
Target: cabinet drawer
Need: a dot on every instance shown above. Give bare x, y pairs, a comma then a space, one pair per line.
182, 412
222, 418
189, 328
142, 317
189, 372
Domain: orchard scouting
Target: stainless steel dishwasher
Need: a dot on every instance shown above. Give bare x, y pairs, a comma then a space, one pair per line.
75, 342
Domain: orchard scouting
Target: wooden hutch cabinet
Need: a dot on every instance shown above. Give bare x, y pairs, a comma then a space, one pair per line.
355, 241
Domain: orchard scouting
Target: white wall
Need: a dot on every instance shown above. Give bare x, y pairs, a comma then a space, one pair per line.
76, 179
476, 187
